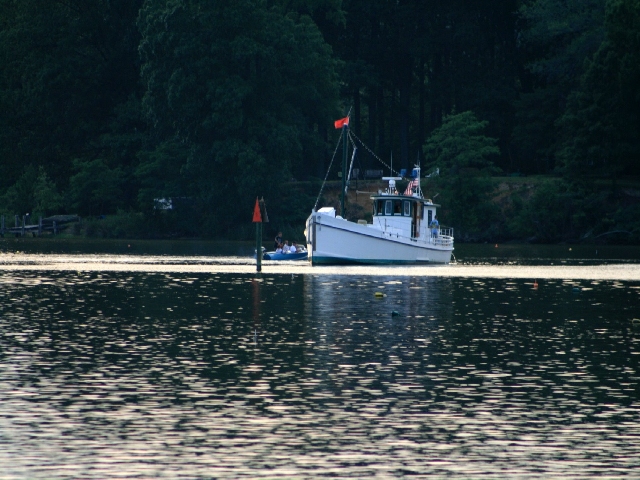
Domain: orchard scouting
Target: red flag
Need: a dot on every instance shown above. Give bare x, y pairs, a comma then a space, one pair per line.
257, 217
342, 122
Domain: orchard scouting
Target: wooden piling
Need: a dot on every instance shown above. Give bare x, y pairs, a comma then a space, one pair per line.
258, 246
257, 219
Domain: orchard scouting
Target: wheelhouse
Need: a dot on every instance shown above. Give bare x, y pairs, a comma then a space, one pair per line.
404, 207
393, 207
404, 215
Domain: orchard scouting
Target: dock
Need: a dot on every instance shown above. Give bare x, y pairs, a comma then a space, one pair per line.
24, 225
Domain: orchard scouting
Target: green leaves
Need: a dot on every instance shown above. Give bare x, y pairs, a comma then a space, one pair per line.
109, 104
35, 193
46, 199
601, 123
544, 217
463, 154
239, 85
66, 65
460, 143
95, 189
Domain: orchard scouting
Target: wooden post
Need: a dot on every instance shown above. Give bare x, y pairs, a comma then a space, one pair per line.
258, 246
23, 220
257, 219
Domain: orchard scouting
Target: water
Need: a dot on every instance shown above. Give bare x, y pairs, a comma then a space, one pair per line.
171, 366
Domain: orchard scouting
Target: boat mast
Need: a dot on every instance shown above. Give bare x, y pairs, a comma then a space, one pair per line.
345, 126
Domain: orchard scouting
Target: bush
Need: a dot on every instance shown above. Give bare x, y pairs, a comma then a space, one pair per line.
121, 225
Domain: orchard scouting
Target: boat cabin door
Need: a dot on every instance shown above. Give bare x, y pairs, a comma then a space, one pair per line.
416, 214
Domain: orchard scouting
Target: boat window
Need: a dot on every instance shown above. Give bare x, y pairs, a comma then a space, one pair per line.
429, 216
407, 209
387, 208
397, 207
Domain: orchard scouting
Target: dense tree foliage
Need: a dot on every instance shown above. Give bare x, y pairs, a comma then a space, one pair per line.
66, 65
239, 88
462, 156
107, 106
601, 124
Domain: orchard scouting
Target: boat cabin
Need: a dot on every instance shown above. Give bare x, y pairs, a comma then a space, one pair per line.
407, 214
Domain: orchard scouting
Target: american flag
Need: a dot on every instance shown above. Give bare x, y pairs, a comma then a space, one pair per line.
412, 184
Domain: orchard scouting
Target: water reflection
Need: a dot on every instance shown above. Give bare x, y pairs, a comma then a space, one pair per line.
183, 375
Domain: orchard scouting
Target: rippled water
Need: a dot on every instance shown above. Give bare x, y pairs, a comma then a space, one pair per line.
188, 374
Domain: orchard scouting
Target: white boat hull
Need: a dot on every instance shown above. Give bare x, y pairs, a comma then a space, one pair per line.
333, 240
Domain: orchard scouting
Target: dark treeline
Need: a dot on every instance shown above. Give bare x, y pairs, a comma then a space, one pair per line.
108, 105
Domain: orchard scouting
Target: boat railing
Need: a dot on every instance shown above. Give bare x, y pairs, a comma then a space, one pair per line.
446, 231
444, 237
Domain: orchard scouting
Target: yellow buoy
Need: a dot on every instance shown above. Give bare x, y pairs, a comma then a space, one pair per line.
379, 294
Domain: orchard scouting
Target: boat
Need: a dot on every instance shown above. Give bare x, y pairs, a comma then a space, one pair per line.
403, 229
273, 255
285, 256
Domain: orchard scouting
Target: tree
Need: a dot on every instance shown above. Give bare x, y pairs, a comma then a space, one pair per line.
66, 65
95, 189
19, 198
47, 199
546, 216
243, 89
602, 120
409, 63
462, 153
555, 37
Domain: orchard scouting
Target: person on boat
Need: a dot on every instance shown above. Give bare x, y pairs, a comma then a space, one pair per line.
279, 248
285, 247
293, 248
278, 240
434, 226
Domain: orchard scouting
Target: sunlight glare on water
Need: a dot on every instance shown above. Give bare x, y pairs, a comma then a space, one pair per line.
247, 265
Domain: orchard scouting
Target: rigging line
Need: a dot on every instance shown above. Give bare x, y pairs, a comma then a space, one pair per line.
351, 135
353, 156
374, 155
327, 174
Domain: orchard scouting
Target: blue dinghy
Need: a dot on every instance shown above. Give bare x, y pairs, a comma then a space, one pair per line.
284, 256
